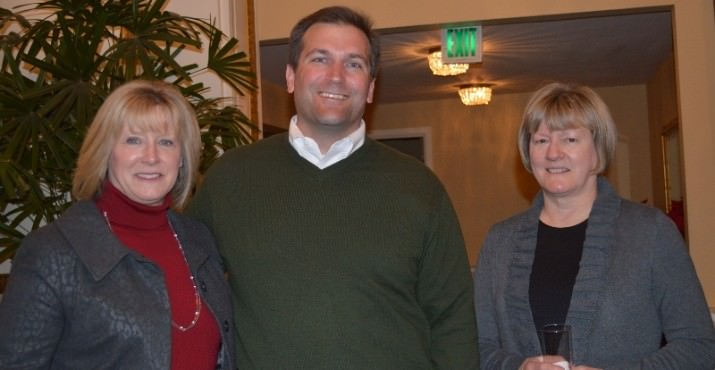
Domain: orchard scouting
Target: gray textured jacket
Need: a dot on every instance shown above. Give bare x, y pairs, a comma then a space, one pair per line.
78, 299
636, 282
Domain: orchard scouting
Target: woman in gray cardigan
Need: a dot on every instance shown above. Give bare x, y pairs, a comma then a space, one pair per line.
121, 280
616, 271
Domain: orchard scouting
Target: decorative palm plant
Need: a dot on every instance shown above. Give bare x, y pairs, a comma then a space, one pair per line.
58, 67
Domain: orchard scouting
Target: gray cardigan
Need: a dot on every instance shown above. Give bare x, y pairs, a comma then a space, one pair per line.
636, 282
78, 299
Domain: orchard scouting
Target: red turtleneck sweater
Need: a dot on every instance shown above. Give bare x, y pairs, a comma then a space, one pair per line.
146, 230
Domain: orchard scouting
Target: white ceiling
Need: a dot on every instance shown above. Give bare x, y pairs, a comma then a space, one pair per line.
518, 55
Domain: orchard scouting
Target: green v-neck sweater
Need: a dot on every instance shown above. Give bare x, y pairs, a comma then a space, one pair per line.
361, 265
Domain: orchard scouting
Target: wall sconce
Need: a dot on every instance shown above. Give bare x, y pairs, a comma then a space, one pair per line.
434, 58
475, 94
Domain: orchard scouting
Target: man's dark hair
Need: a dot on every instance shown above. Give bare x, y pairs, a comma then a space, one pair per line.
335, 15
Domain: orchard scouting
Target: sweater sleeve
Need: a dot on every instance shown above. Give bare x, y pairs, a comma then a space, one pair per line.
30, 306
445, 293
683, 310
486, 277
200, 208
218, 186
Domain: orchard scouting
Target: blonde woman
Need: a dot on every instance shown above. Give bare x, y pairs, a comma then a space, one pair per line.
121, 280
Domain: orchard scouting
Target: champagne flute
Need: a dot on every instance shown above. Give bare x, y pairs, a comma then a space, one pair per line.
555, 340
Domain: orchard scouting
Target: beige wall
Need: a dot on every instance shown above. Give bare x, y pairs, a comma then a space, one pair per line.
629, 107
695, 82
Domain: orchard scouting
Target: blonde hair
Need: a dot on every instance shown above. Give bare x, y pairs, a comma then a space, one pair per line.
562, 106
138, 103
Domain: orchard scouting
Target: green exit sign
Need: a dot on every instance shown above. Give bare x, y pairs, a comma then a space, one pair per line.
462, 44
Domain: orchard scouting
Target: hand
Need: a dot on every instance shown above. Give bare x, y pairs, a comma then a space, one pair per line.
543, 363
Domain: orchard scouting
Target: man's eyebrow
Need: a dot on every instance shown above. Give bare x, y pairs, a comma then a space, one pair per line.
326, 52
316, 51
357, 56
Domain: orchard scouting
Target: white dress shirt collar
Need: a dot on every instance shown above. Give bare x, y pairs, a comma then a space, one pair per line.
308, 148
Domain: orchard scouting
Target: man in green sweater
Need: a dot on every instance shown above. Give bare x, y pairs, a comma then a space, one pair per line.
341, 252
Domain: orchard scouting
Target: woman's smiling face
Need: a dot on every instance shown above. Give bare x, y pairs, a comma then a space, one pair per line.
564, 161
144, 165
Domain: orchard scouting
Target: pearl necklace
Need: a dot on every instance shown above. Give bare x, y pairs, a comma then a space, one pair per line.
197, 298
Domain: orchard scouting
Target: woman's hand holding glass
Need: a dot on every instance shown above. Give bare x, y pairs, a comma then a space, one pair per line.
549, 363
543, 363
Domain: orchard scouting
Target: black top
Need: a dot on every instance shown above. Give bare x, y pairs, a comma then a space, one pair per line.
553, 273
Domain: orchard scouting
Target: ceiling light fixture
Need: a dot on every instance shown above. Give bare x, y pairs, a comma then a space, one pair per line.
434, 58
475, 94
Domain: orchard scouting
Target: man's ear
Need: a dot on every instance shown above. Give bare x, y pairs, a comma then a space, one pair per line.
290, 79
370, 91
